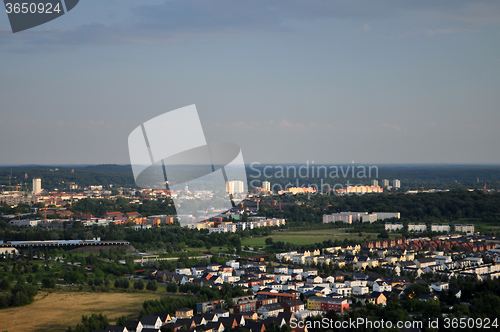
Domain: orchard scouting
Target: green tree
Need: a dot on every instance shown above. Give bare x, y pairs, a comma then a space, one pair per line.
139, 285
152, 285
48, 282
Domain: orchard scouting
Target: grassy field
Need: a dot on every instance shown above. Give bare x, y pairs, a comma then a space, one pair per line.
57, 311
306, 237
479, 226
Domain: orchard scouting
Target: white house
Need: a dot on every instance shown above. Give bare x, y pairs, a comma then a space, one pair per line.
382, 286
360, 290
440, 286
151, 322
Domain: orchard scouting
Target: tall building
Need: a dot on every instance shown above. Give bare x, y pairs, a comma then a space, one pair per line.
374, 183
266, 185
37, 186
235, 187
385, 183
396, 183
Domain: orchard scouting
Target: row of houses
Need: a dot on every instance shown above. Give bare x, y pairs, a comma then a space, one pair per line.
422, 227
216, 321
89, 220
230, 227
350, 217
447, 244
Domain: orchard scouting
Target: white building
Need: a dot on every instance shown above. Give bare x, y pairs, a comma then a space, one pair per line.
393, 227
382, 286
345, 218
266, 185
385, 183
469, 229
387, 215
360, 290
374, 183
371, 218
234, 264
396, 183
417, 228
235, 187
37, 186
440, 228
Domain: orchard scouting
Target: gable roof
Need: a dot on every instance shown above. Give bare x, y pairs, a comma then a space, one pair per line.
149, 320
132, 324
114, 328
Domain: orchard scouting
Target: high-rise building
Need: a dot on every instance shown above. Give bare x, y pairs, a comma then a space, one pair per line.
266, 185
235, 187
385, 183
37, 186
396, 183
374, 183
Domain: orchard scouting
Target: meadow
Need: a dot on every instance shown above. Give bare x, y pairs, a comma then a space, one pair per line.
58, 310
305, 237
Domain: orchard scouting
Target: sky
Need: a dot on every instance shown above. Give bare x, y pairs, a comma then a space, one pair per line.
289, 81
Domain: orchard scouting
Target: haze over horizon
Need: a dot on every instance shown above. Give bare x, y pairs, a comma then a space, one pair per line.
384, 82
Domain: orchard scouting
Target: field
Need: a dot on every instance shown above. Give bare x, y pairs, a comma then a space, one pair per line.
56, 311
305, 237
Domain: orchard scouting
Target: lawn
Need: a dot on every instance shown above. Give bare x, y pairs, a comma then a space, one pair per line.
305, 237
56, 311
479, 226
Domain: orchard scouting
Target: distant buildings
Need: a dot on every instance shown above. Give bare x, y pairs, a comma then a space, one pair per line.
229, 227
350, 217
440, 228
374, 183
417, 228
266, 185
387, 215
396, 183
297, 190
235, 187
37, 186
385, 183
360, 190
393, 227
469, 229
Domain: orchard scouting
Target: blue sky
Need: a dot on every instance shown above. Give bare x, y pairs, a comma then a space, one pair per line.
289, 81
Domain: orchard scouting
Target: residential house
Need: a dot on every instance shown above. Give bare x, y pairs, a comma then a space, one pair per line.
184, 313
151, 322
270, 310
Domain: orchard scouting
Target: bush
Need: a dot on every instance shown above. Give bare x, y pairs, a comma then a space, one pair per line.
139, 285
152, 285
90, 323
122, 283
48, 282
172, 287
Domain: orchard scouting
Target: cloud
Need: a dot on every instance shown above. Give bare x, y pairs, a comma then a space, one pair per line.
431, 124
270, 126
473, 126
438, 32
392, 127
175, 20
427, 32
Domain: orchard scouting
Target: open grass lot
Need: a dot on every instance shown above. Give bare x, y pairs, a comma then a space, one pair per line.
56, 311
479, 226
305, 237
